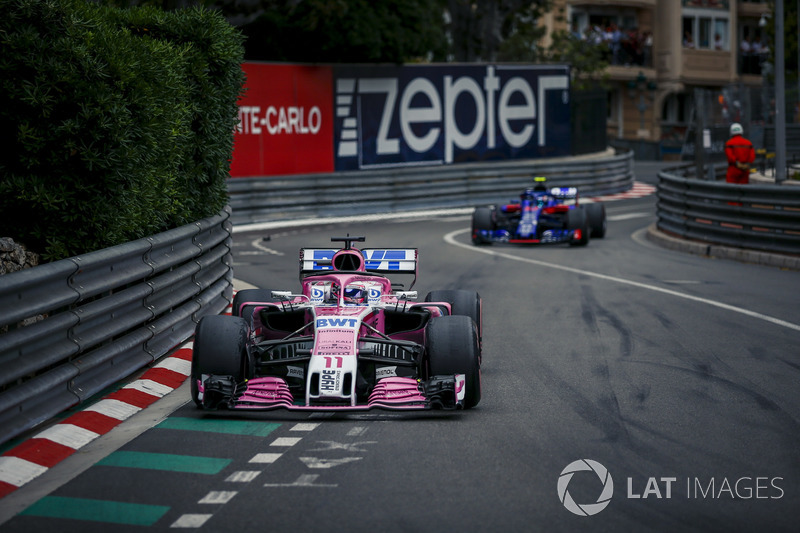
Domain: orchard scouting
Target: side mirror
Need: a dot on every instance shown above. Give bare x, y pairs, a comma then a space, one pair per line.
282, 295
406, 295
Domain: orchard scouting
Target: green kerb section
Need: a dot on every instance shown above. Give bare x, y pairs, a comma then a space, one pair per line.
97, 510
233, 427
166, 461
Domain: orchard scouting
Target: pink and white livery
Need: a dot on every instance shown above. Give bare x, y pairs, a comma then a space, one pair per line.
350, 340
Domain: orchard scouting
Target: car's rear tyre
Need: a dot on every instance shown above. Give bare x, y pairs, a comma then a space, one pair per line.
220, 348
462, 302
577, 220
483, 219
596, 213
451, 343
250, 295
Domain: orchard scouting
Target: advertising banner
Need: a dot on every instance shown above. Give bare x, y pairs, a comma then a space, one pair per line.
297, 119
444, 114
286, 121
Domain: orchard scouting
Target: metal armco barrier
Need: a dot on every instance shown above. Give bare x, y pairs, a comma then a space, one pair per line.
106, 315
390, 190
758, 217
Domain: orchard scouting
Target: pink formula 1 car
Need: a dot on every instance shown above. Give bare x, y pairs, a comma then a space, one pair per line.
349, 340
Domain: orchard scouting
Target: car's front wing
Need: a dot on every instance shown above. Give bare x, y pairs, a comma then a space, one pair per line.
547, 237
397, 393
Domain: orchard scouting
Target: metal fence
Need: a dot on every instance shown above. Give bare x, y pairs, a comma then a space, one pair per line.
105, 315
758, 217
391, 190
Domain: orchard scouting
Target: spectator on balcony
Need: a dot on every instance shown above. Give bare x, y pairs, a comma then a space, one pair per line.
648, 49
615, 42
740, 153
719, 44
749, 57
746, 48
688, 40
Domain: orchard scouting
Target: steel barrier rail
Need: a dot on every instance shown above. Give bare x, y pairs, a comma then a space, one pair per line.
758, 217
106, 315
389, 190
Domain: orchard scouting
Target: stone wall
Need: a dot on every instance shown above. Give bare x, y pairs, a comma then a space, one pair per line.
14, 256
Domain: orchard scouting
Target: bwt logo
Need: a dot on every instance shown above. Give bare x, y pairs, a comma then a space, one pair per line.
396, 120
337, 322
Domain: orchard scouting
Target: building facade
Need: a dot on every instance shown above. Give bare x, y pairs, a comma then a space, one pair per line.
660, 51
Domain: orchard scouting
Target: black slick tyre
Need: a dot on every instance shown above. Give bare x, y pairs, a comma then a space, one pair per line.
577, 220
462, 302
596, 215
451, 344
482, 220
220, 348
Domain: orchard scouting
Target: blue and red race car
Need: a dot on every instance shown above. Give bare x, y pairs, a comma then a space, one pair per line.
542, 216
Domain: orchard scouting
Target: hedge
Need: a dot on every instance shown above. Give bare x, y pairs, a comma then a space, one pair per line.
117, 124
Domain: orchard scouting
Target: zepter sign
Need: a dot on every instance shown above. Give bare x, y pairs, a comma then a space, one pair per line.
404, 116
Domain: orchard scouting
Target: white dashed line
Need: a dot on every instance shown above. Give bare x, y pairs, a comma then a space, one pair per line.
262, 458
286, 441
243, 476
304, 427
191, 521
218, 497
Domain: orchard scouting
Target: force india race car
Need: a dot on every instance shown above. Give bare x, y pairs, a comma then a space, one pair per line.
347, 341
541, 216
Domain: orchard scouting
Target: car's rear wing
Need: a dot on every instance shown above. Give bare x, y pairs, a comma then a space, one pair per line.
564, 193
377, 260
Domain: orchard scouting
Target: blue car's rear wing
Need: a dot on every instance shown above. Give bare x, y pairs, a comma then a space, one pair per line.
377, 260
564, 193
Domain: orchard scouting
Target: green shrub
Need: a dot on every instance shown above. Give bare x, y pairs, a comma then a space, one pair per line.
118, 123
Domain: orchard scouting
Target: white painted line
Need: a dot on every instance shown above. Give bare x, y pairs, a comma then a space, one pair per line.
218, 497
627, 216
263, 249
450, 239
265, 458
286, 441
243, 476
114, 409
191, 521
304, 427
344, 220
68, 435
318, 462
346, 446
17, 472
357, 431
306, 480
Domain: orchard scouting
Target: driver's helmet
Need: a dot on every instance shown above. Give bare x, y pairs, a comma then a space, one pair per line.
356, 293
540, 186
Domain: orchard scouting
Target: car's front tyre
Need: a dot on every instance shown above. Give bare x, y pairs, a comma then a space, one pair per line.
220, 348
483, 219
451, 344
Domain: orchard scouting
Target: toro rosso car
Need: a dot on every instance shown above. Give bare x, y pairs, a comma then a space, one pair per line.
541, 216
349, 340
